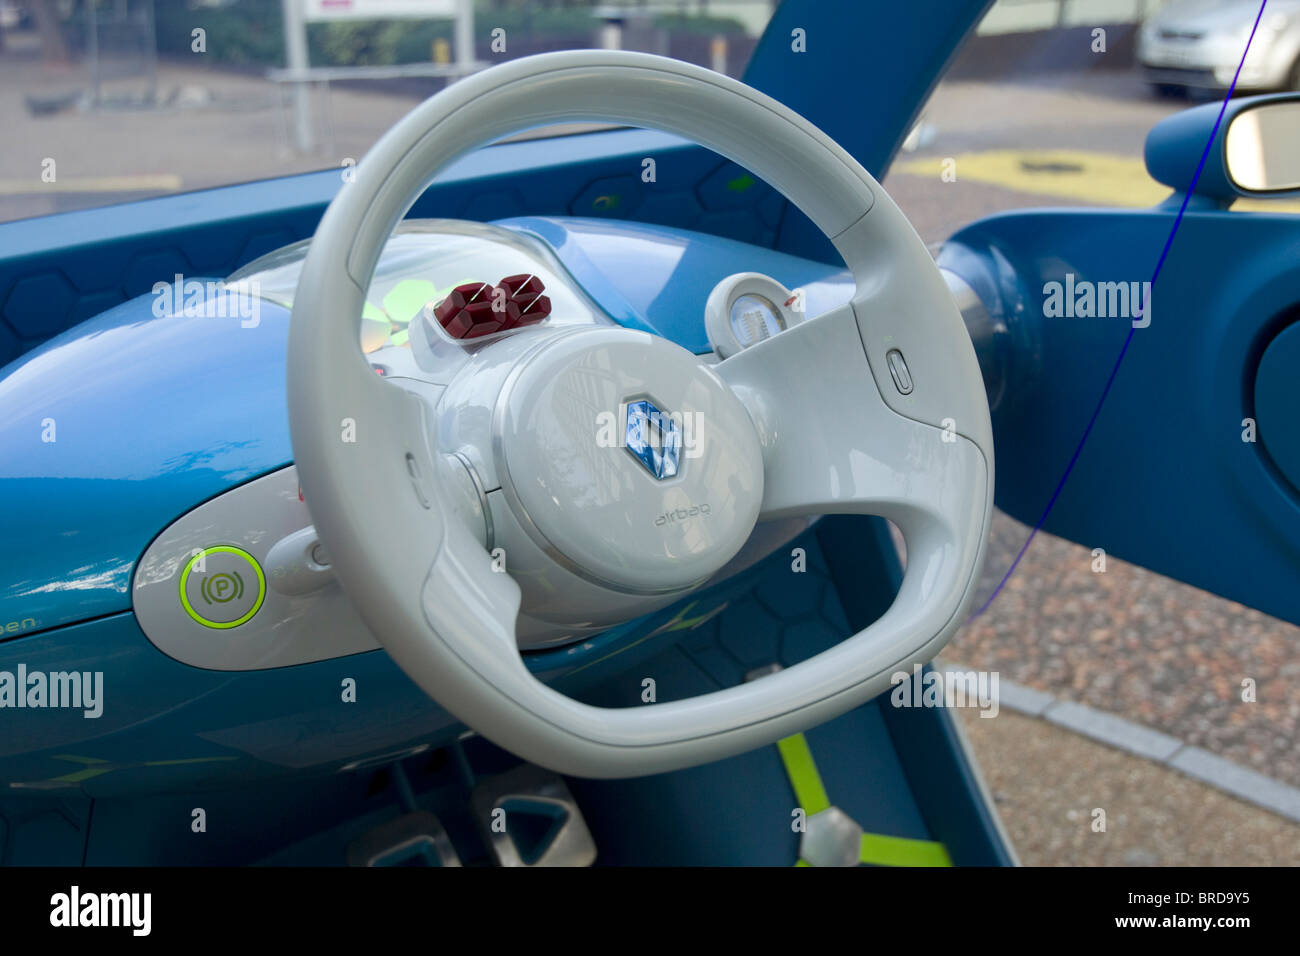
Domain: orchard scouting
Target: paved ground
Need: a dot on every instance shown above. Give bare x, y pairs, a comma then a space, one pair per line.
1132, 642
1047, 783
215, 128
1127, 641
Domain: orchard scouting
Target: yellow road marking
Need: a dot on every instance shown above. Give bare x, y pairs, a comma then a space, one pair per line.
146, 182
1106, 179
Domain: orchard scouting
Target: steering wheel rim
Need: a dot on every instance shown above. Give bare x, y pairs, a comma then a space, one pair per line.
425, 585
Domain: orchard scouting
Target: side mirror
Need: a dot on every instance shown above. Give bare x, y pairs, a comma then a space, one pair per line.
1256, 150
1262, 147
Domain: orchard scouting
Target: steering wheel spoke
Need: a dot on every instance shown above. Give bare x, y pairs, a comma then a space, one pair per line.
832, 445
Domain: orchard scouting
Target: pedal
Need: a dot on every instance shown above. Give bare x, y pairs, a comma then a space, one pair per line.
831, 838
529, 818
413, 839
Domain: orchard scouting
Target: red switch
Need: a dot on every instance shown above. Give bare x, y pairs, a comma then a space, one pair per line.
468, 311
525, 291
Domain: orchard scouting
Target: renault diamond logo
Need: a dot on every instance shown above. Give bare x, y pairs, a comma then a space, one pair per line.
653, 438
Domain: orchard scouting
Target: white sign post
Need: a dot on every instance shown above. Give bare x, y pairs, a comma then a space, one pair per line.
295, 58
298, 13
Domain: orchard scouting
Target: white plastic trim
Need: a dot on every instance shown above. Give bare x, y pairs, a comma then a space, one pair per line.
717, 309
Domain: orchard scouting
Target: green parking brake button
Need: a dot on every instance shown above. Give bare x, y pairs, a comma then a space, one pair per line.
222, 587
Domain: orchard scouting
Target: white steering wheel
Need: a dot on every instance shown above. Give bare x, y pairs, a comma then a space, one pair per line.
876, 407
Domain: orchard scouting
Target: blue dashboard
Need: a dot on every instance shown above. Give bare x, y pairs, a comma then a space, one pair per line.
124, 423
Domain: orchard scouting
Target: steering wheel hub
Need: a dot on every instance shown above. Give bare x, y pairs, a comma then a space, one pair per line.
628, 460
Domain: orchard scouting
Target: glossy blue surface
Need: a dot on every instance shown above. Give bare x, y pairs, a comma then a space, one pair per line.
1165, 479
659, 277
1174, 146
166, 724
151, 415
280, 744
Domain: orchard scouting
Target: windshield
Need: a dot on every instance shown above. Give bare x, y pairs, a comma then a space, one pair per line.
111, 102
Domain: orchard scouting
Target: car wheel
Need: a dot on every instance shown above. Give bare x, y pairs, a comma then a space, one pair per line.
1168, 91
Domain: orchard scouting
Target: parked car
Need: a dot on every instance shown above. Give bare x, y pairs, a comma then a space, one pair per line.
1197, 44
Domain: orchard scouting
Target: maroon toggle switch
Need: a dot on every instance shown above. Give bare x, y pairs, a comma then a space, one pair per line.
522, 284
533, 309
525, 292
467, 312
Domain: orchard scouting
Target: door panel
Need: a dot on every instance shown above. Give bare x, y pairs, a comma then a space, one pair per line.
1165, 478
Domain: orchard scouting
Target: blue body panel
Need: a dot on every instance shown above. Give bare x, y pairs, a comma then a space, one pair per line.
170, 734
1165, 479
170, 411
168, 725
662, 276
151, 417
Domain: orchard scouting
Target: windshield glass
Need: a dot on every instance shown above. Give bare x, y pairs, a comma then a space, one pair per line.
106, 102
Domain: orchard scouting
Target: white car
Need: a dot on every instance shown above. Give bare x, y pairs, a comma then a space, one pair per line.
1198, 44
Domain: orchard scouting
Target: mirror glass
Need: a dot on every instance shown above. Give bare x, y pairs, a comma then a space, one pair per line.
1263, 147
